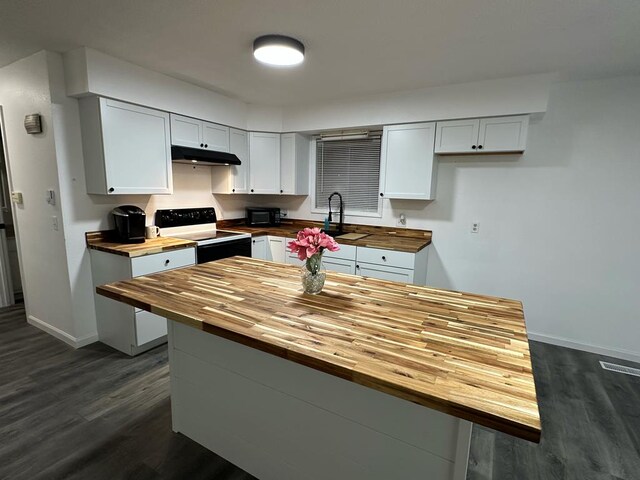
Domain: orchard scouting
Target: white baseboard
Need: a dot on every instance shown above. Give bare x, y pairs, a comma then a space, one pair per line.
62, 335
564, 342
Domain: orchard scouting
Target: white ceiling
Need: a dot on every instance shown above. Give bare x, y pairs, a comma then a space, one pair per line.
354, 47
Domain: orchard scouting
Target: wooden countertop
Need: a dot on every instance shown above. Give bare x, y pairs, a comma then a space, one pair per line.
399, 239
463, 354
104, 241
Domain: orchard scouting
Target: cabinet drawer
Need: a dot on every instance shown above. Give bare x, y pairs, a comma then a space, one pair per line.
346, 252
149, 327
340, 266
159, 262
394, 274
380, 256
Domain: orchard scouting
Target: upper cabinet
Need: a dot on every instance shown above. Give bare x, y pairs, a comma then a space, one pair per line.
487, 135
189, 132
127, 148
264, 154
234, 178
407, 165
294, 164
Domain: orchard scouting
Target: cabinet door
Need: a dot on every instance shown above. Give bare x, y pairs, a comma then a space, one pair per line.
408, 162
503, 134
383, 272
288, 163
340, 266
137, 149
215, 137
276, 249
457, 136
239, 145
186, 132
259, 248
148, 327
264, 151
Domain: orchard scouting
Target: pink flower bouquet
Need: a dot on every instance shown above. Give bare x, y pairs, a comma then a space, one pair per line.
310, 244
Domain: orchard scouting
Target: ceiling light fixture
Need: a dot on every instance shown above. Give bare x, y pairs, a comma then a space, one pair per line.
278, 50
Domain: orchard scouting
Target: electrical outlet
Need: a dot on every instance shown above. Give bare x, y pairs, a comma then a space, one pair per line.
284, 212
475, 227
401, 221
54, 222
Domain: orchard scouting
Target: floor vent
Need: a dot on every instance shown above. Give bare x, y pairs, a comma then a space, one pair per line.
621, 369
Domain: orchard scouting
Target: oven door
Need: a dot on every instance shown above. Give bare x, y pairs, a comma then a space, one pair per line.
230, 248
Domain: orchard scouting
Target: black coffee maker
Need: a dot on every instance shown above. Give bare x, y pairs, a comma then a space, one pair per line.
130, 222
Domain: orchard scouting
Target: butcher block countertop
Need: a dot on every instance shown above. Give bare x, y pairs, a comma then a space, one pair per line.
463, 354
104, 241
399, 239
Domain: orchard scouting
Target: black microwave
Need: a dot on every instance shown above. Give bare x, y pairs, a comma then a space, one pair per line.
262, 217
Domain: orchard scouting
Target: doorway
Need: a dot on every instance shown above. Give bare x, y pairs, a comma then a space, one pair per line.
10, 280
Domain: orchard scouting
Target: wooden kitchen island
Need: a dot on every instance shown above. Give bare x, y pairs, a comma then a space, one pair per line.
368, 380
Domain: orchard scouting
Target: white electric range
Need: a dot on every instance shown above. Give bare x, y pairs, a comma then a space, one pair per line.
199, 225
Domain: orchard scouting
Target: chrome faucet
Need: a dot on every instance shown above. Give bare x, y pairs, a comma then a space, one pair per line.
340, 225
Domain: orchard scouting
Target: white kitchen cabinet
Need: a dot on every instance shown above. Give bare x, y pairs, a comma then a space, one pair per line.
127, 148
264, 174
392, 265
186, 131
294, 164
342, 261
408, 167
457, 136
215, 137
234, 178
339, 265
194, 133
384, 272
121, 326
503, 134
259, 247
487, 135
276, 249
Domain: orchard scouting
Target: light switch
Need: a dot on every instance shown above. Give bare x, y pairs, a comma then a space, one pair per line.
51, 197
54, 222
16, 197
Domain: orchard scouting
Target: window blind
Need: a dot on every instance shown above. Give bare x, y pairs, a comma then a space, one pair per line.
351, 167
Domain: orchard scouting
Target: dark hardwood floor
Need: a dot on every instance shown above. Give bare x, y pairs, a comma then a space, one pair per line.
95, 413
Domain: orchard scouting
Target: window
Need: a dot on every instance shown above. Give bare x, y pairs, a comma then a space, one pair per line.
351, 167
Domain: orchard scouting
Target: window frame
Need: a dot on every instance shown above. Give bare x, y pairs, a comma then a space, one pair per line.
312, 188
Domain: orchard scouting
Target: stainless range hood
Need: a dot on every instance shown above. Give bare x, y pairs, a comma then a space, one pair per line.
197, 156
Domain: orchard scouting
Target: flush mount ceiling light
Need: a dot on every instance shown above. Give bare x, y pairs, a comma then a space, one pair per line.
278, 50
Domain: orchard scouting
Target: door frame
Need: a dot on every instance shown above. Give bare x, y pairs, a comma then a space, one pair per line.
7, 294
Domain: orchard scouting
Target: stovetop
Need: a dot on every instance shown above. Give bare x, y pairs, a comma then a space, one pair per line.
208, 235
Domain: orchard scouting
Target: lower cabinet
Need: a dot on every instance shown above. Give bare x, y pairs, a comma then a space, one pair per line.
125, 328
405, 267
259, 248
384, 272
276, 249
269, 248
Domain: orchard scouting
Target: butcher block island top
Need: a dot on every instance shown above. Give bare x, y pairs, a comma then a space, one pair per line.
463, 354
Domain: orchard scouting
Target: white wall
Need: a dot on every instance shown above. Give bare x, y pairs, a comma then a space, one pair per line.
91, 72
558, 225
509, 96
24, 89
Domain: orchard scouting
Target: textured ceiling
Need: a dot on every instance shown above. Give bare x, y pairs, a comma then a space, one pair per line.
354, 47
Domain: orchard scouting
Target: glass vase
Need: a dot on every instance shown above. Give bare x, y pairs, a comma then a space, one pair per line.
313, 275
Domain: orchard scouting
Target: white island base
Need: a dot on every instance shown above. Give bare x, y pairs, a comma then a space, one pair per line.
279, 420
